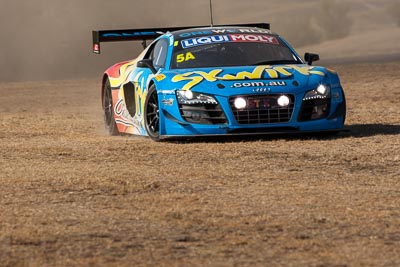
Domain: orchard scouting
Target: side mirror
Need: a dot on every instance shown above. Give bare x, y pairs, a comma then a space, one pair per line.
147, 63
310, 58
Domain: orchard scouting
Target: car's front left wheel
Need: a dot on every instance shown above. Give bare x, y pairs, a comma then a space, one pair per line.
152, 114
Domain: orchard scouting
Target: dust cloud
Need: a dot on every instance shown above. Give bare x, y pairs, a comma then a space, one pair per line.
48, 40
394, 11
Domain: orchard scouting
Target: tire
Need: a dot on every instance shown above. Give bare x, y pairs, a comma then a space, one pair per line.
108, 109
152, 114
345, 108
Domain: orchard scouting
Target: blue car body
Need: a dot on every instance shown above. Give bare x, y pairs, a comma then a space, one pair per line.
189, 94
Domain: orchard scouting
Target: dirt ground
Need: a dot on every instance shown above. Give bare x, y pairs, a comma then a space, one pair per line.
73, 196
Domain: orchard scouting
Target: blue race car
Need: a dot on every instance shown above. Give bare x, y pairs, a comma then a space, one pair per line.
220, 80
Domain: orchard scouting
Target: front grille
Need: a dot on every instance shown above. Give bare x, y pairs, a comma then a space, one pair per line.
262, 109
203, 113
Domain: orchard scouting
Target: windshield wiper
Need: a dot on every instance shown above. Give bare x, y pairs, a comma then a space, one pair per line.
273, 62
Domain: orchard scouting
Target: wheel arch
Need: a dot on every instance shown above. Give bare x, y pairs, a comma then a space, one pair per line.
152, 132
152, 82
160, 85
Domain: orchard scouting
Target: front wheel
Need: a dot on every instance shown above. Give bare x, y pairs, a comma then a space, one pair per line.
152, 114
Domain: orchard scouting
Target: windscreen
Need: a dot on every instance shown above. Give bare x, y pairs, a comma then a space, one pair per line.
231, 49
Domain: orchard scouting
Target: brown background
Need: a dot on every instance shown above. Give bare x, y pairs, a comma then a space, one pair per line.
46, 39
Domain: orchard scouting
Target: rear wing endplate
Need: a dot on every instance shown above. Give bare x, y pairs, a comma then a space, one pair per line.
149, 34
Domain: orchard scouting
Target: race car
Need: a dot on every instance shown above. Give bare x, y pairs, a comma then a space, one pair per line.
217, 80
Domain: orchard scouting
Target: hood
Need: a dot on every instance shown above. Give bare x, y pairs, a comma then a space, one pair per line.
221, 81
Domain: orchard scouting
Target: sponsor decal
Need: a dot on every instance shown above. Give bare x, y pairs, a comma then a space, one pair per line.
189, 34
258, 84
261, 102
229, 38
194, 78
160, 77
168, 102
185, 57
254, 38
128, 34
166, 92
255, 31
222, 31
124, 117
205, 40
262, 90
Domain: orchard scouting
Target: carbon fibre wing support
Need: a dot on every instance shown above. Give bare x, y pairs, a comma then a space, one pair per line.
149, 34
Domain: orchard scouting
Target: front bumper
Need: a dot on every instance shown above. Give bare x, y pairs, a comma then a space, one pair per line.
174, 125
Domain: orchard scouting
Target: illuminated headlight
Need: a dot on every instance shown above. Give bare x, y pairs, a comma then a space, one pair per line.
322, 89
188, 97
188, 94
283, 101
240, 103
321, 92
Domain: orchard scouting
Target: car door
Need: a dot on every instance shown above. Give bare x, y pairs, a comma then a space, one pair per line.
141, 76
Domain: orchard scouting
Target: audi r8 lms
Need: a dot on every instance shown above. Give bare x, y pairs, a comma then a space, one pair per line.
220, 80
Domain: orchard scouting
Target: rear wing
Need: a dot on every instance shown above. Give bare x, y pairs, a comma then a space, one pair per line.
149, 34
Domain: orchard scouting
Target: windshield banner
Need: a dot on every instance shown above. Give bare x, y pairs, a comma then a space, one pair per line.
229, 38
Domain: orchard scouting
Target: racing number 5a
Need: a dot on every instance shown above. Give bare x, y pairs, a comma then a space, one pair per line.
185, 57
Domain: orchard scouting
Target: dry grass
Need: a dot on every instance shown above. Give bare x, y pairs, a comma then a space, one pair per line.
73, 196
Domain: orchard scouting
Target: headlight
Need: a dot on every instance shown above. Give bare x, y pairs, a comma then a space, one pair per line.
283, 101
321, 92
189, 97
240, 103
